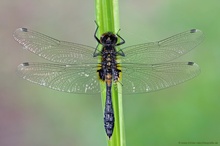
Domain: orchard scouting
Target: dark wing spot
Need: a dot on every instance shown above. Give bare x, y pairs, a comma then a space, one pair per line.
192, 30
25, 64
24, 29
190, 63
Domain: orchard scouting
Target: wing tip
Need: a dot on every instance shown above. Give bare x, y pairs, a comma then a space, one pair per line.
23, 29
17, 34
195, 66
190, 63
23, 64
194, 30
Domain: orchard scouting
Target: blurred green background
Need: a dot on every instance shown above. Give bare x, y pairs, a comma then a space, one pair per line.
31, 115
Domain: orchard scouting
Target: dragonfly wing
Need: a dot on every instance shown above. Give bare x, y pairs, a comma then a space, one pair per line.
141, 78
53, 49
68, 78
164, 50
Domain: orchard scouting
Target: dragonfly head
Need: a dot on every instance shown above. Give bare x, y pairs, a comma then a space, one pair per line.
108, 39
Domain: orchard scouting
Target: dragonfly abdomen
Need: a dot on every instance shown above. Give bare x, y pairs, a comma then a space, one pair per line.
109, 112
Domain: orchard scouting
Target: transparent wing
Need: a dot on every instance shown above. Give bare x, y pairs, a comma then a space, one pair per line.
140, 78
164, 50
53, 49
68, 78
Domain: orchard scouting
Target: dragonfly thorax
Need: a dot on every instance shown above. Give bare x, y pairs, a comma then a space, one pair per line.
108, 39
109, 65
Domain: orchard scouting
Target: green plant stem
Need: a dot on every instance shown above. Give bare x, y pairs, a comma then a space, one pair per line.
107, 17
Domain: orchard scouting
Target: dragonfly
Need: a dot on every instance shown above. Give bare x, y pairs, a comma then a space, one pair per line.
75, 68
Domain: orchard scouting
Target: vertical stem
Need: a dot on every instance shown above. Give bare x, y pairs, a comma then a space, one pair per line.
107, 17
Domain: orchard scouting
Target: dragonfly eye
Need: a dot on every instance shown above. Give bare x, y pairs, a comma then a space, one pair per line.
108, 39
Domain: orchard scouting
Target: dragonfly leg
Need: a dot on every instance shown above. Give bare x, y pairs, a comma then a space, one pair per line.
120, 52
96, 52
95, 36
122, 42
